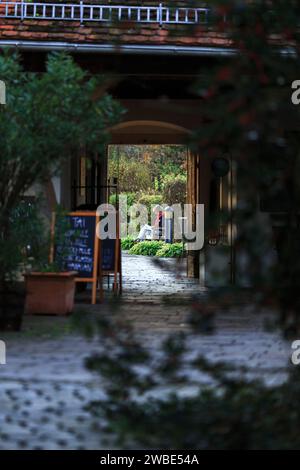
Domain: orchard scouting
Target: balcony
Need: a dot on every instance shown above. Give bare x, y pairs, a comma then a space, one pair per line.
87, 24
84, 12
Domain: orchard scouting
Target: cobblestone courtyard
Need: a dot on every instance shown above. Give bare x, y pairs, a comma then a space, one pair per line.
44, 385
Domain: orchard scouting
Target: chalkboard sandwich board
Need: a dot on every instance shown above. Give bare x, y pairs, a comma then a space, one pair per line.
111, 261
77, 247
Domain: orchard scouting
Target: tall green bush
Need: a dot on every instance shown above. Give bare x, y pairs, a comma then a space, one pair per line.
174, 189
132, 176
150, 200
131, 198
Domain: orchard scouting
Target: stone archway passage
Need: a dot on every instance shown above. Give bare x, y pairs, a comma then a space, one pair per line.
139, 132
143, 275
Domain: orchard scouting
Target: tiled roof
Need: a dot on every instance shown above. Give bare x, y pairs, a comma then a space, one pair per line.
118, 32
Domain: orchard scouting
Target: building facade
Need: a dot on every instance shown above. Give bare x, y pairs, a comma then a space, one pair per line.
153, 53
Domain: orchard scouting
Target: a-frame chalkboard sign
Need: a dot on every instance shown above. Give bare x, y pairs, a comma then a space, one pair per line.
79, 249
111, 261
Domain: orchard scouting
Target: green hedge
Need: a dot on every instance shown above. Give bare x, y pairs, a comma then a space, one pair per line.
127, 243
152, 248
147, 248
170, 250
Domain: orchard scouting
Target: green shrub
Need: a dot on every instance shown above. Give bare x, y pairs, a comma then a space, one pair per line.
112, 199
152, 248
132, 175
147, 248
131, 198
170, 250
174, 189
149, 200
127, 243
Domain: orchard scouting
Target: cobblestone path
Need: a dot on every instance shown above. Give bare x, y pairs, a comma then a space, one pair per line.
44, 386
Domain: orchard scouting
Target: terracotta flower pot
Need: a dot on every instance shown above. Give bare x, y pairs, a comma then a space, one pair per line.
50, 293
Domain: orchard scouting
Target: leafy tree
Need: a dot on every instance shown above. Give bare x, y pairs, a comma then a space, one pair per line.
132, 176
47, 117
135, 161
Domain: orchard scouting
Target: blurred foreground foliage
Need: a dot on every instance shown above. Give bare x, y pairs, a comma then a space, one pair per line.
153, 400
250, 119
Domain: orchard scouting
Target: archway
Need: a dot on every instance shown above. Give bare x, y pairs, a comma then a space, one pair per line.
160, 133
90, 181
139, 132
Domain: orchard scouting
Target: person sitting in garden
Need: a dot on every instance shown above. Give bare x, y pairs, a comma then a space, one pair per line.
149, 232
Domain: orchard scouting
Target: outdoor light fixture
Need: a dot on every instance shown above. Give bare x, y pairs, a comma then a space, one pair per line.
220, 167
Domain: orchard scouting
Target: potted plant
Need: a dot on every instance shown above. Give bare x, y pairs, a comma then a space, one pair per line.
50, 288
50, 292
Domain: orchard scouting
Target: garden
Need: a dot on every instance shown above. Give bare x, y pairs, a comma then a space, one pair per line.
153, 176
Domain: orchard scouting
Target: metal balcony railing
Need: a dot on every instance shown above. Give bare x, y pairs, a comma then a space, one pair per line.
82, 12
